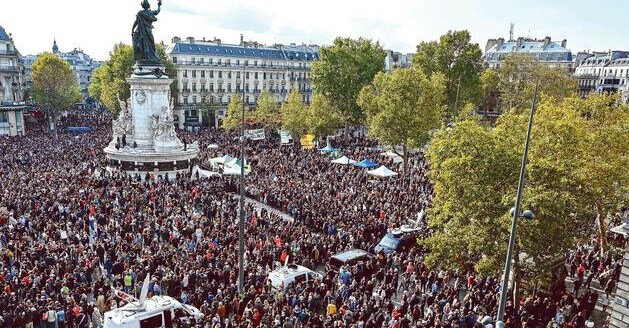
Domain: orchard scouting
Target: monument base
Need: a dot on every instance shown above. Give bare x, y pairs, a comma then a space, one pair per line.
141, 162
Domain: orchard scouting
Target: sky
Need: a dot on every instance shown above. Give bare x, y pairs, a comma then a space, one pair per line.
95, 26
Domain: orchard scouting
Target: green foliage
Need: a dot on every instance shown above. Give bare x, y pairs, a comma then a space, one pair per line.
456, 58
341, 72
403, 107
475, 171
54, 85
233, 115
109, 81
295, 115
517, 77
267, 112
323, 119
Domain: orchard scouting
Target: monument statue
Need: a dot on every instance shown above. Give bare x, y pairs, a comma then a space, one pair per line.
142, 33
163, 126
123, 125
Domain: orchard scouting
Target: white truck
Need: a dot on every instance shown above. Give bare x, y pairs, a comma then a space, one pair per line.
155, 312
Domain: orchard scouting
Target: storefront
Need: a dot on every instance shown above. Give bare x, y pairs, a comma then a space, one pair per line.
12, 120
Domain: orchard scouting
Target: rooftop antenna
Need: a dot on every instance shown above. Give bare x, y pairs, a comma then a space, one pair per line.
511, 33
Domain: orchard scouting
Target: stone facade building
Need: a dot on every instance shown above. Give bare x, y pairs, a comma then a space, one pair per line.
553, 54
603, 72
12, 85
209, 72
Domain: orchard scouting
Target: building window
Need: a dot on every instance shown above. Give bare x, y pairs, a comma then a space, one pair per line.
255, 75
203, 87
194, 99
211, 74
227, 62
185, 73
219, 61
246, 63
237, 75
220, 74
229, 87
237, 62
229, 75
210, 61
194, 87
194, 73
211, 87
202, 74
246, 75
193, 60
175, 60
185, 100
220, 87
185, 87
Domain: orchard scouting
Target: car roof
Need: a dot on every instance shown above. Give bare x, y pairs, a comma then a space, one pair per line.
290, 270
350, 254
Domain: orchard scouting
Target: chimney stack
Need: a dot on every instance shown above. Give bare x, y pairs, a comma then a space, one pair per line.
190, 39
242, 39
546, 41
519, 43
176, 39
564, 42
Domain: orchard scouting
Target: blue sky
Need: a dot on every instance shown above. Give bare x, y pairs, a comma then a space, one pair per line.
95, 26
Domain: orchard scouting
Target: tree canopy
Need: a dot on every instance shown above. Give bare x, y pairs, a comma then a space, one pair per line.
295, 115
474, 170
341, 72
323, 120
267, 112
403, 107
457, 59
518, 75
109, 81
233, 115
54, 85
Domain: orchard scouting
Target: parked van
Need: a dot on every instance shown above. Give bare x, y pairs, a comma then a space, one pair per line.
283, 277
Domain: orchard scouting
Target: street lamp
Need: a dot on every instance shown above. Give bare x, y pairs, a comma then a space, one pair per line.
241, 223
514, 215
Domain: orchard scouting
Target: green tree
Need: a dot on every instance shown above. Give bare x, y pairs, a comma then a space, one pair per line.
233, 115
109, 81
267, 112
403, 108
54, 86
604, 174
295, 115
341, 72
460, 61
518, 75
474, 170
323, 120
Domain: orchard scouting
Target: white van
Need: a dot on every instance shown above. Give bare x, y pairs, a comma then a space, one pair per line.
156, 312
288, 274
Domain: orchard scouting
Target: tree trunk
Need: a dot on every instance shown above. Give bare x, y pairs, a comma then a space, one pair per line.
517, 275
602, 229
405, 158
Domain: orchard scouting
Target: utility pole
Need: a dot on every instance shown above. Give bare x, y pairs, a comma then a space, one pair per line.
514, 216
241, 221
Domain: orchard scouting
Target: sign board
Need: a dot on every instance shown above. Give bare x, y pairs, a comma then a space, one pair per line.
285, 137
255, 134
307, 141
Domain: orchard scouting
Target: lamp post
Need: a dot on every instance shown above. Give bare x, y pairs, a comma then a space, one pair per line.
515, 213
241, 221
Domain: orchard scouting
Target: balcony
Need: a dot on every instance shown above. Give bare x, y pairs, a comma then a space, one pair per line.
9, 69
8, 53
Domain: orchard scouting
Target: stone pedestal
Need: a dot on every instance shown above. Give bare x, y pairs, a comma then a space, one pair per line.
157, 149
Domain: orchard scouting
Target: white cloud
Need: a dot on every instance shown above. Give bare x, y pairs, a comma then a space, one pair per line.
96, 25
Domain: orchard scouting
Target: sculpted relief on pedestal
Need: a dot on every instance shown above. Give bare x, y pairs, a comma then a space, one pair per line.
123, 125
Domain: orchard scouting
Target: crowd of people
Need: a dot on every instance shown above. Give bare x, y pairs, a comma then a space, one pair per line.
71, 230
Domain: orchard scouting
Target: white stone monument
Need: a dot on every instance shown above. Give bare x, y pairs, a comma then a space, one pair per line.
144, 137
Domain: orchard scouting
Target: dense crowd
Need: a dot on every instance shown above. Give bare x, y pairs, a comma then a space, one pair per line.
70, 230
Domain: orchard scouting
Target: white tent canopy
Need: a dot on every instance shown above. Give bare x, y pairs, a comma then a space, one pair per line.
233, 170
203, 173
343, 161
382, 172
221, 160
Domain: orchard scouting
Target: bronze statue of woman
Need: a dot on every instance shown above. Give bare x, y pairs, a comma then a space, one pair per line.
142, 33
